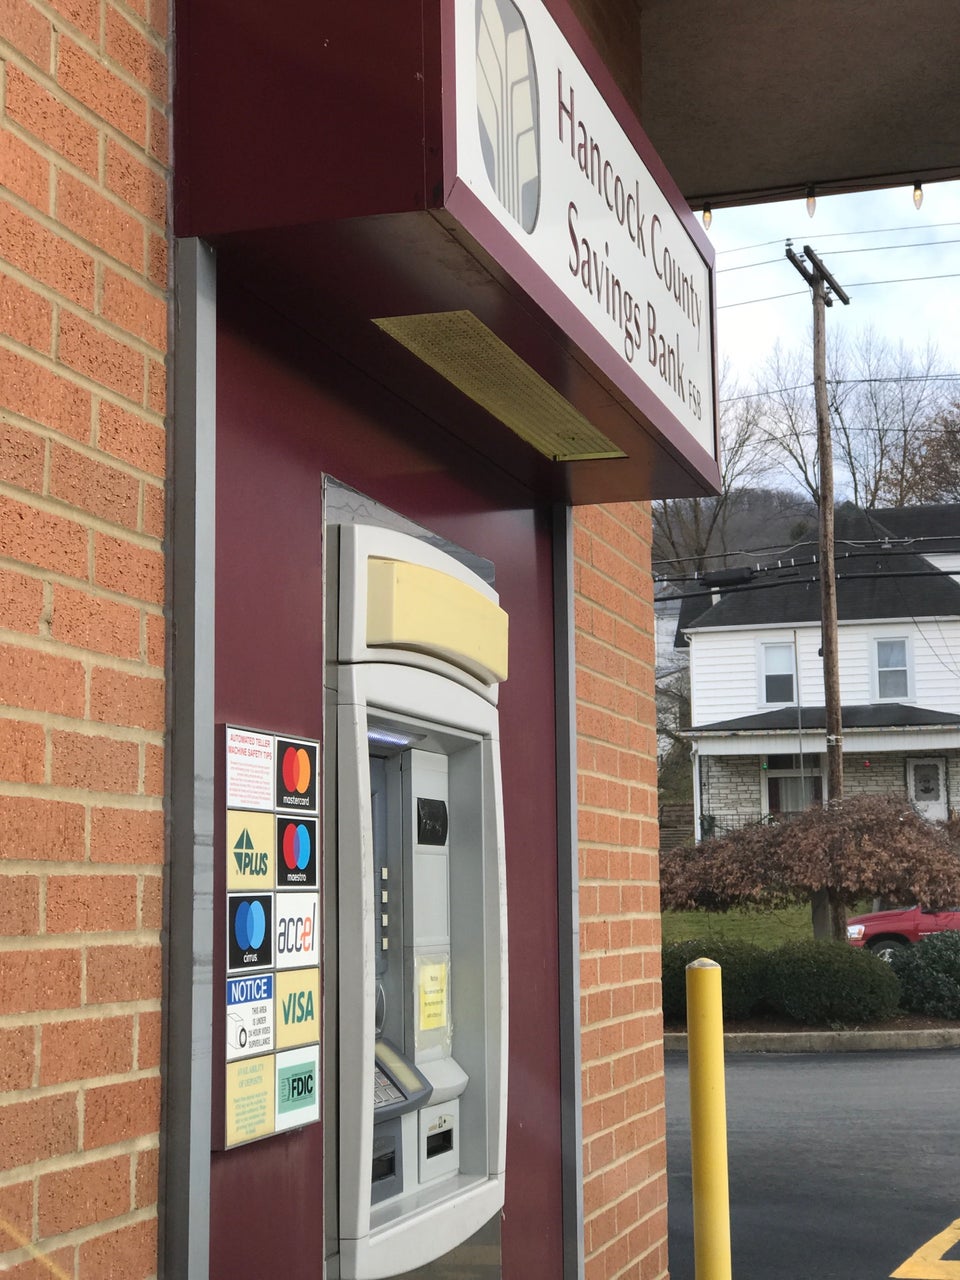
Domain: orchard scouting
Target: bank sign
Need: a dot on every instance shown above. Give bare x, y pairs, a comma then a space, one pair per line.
546, 156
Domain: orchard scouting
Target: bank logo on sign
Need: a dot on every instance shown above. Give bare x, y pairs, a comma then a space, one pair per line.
250, 860
508, 111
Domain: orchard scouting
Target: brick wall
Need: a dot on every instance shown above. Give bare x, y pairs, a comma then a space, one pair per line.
621, 1027
83, 324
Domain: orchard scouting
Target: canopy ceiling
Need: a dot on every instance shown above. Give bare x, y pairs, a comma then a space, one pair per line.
751, 100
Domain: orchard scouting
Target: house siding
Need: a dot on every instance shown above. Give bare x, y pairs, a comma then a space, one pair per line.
725, 671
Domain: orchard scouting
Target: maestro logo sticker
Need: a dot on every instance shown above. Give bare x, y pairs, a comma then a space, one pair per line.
296, 775
249, 931
508, 109
297, 853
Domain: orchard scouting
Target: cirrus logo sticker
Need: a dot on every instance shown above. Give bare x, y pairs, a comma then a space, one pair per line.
249, 932
297, 852
297, 775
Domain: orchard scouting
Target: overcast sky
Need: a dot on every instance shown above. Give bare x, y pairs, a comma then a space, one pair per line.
900, 267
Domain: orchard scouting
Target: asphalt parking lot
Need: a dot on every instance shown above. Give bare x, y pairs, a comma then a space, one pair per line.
842, 1166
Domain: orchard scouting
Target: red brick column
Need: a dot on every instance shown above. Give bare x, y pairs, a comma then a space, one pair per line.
83, 337
624, 1152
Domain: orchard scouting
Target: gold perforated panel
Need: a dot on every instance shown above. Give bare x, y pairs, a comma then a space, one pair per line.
469, 355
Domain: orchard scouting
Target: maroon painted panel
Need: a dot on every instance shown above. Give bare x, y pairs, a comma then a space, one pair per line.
288, 411
306, 110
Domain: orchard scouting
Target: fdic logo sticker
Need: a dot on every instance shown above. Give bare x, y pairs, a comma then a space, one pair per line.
250, 850
249, 932
296, 853
296, 776
298, 1087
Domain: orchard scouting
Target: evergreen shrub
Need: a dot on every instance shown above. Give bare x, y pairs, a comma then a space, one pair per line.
742, 965
818, 983
929, 975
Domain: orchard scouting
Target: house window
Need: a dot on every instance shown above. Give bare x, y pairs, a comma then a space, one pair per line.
793, 783
893, 677
778, 673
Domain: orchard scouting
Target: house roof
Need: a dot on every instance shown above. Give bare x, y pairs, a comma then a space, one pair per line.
874, 579
885, 715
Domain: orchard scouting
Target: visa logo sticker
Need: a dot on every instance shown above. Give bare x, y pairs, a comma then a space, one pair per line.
251, 847
297, 1007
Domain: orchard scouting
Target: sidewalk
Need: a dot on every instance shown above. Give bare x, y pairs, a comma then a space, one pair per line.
824, 1041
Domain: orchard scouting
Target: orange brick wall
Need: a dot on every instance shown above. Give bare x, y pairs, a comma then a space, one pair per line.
624, 1150
83, 335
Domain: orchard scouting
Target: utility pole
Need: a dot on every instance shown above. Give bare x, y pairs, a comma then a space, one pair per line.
827, 918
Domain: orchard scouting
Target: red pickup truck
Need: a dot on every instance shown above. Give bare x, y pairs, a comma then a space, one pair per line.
883, 931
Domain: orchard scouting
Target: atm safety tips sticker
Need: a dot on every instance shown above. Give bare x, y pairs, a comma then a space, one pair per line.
251, 843
250, 1095
250, 769
432, 983
298, 1087
249, 1015
298, 1007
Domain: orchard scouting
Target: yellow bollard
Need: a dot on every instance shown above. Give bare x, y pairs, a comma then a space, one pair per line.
708, 1122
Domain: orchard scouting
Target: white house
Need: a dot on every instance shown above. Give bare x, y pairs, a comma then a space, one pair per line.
757, 703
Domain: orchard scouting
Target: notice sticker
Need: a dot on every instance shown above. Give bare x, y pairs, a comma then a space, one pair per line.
250, 758
249, 1015
432, 991
250, 1093
298, 1087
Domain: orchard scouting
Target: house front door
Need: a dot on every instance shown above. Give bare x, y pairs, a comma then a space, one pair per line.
926, 786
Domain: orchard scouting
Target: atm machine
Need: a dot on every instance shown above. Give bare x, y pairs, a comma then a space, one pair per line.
416, 1124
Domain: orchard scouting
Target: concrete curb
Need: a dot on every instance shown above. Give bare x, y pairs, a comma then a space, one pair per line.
824, 1041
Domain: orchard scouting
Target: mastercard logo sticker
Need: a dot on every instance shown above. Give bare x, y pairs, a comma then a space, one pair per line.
297, 776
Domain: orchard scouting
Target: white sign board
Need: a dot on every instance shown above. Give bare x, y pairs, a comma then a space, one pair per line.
539, 147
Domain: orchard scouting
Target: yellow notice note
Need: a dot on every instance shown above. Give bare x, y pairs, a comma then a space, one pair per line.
433, 994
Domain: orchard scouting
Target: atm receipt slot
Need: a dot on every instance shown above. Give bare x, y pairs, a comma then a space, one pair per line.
399, 1086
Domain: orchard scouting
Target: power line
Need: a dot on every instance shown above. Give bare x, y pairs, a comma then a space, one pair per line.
846, 382
860, 284
834, 235
875, 248
864, 544
799, 581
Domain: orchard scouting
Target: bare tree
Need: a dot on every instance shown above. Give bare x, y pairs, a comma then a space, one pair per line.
690, 532
886, 404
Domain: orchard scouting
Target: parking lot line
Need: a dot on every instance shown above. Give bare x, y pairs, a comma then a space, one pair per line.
929, 1262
